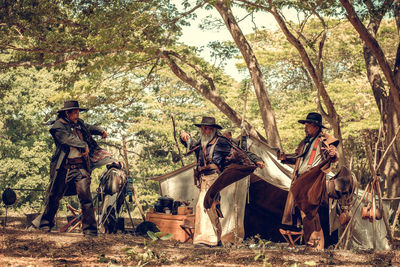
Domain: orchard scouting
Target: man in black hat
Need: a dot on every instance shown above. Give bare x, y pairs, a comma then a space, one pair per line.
316, 150
212, 153
71, 166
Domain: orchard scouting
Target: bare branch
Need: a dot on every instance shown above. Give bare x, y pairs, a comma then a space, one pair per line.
322, 42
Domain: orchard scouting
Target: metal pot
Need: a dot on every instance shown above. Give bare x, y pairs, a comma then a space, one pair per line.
166, 202
158, 208
9, 197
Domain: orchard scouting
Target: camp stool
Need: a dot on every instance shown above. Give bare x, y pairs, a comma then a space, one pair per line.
75, 222
188, 227
291, 237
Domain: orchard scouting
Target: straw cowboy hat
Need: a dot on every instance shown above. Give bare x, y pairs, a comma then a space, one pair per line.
208, 121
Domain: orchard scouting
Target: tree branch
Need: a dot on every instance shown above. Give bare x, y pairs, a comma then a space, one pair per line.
196, 68
254, 4
376, 50
396, 10
211, 95
188, 12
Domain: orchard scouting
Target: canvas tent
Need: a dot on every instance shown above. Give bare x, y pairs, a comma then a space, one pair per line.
255, 204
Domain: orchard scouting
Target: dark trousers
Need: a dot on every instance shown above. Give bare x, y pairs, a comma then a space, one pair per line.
79, 178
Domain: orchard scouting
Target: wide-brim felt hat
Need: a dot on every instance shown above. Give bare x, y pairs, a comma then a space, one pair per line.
70, 105
313, 117
208, 121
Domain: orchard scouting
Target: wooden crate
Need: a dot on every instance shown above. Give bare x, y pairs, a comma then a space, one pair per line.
168, 223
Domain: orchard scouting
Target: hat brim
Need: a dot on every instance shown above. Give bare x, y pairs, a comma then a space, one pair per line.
312, 121
206, 124
72, 108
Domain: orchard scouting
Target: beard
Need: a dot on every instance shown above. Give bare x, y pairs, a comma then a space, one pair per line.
205, 139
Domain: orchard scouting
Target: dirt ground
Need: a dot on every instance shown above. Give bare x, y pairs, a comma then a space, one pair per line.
22, 247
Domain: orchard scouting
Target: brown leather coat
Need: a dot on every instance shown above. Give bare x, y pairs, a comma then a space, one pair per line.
325, 140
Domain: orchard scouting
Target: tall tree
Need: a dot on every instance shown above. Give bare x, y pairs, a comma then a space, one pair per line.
294, 95
260, 88
313, 67
204, 84
375, 59
97, 35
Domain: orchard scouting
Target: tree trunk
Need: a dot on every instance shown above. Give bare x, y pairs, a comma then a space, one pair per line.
377, 52
390, 169
260, 88
316, 74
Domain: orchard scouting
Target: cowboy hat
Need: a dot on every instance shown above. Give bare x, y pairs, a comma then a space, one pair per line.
208, 121
70, 105
313, 117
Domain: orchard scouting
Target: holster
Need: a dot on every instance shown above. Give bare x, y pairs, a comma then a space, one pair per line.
75, 163
216, 207
196, 177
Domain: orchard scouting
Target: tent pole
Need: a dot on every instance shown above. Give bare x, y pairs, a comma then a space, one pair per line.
373, 216
385, 219
396, 217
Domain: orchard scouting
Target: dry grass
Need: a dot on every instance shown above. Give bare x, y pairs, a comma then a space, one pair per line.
20, 247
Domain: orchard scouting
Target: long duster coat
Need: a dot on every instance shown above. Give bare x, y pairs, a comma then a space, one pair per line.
64, 138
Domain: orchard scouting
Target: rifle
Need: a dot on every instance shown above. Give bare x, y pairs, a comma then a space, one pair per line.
240, 150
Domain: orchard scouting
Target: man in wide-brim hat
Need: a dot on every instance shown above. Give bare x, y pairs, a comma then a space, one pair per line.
212, 153
71, 105
313, 156
71, 166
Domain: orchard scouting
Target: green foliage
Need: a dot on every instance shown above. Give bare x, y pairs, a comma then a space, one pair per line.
143, 256
222, 51
100, 33
158, 236
118, 102
146, 255
104, 259
262, 245
113, 68
25, 142
292, 92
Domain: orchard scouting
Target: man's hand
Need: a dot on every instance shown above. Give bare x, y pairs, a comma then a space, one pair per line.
330, 151
281, 155
260, 164
185, 136
104, 135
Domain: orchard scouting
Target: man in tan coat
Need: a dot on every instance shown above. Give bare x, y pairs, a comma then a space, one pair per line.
311, 163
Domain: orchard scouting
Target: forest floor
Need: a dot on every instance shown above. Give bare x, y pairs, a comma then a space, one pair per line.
22, 247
